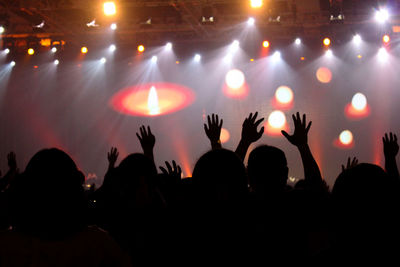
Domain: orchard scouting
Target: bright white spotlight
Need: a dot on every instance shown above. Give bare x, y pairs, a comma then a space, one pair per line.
7, 51
284, 95
277, 119
235, 46
346, 137
56, 62
329, 53
168, 46
54, 49
12, 63
2, 29
276, 56
235, 79
359, 101
381, 15
103, 60
113, 26
228, 58
382, 54
297, 41
112, 48
109, 8
251, 21
197, 58
154, 59
357, 39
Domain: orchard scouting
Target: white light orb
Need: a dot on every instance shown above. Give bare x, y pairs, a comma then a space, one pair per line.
346, 137
359, 101
235, 79
284, 95
277, 119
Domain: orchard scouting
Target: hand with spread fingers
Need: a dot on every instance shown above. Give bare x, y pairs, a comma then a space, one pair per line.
301, 128
147, 141
173, 171
351, 163
213, 130
112, 157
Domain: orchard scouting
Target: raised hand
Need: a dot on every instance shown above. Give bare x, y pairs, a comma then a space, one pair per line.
249, 129
350, 163
147, 140
112, 157
390, 146
213, 130
12, 162
299, 136
173, 171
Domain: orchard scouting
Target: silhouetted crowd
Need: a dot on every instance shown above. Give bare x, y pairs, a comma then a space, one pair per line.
226, 213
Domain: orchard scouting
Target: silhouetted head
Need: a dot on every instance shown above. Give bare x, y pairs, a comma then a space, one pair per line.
48, 197
267, 169
220, 177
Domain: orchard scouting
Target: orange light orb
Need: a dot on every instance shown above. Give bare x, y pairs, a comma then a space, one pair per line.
256, 3
327, 41
265, 44
324, 75
140, 48
84, 50
225, 135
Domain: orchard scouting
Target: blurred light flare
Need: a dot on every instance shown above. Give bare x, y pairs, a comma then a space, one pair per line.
31, 51
381, 15
113, 26
327, 41
346, 139
251, 21
109, 8
141, 48
329, 53
358, 108
103, 60
12, 63
149, 100
276, 123
276, 56
297, 41
265, 44
112, 48
283, 98
84, 50
383, 55
2, 29
54, 49
256, 3
154, 59
357, 39
225, 135
235, 84
7, 51
324, 75
386, 39
168, 46
56, 62
197, 58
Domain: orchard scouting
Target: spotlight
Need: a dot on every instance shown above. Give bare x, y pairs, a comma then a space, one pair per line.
256, 3
31, 51
7, 51
84, 50
168, 46
235, 79
382, 54
112, 48
56, 62
265, 44
277, 119
235, 45
54, 49
197, 58
386, 38
140, 48
154, 59
327, 41
113, 26
228, 58
12, 63
103, 60
2, 29
276, 56
328, 53
251, 21
109, 8
297, 41
381, 15
359, 101
346, 137
357, 39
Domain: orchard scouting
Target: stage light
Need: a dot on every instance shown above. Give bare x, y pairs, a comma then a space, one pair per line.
357, 39
152, 102
265, 44
2, 29
386, 38
382, 54
346, 137
140, 48
103, 60
197, 58
297, 41
112, 48
56, 62
168, 46
109, 8
256, 3
113, 26
234, 79
327, 41
284, 95
154, 59
277, 119
235, 46
84, 50
54, 49
251, 21
324, 75
381, 15
228, 58
359, 101
7, 51
328, 53
225, 135
31, 51
12, 63
276, 56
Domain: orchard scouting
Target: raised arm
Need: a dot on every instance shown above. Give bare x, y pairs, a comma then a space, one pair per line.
147, 141
390, 150
112, 157
11, 173
299, 138
213, 130
249, 134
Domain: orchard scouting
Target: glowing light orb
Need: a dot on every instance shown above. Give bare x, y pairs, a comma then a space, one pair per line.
31, 51
112, 48
84, 50
2, 29
56, 62
140, 48
327, 41
103, 60
276, 56
197, 58
152, 99
284, 95
386, 38
251, 21
297, 41
277, 119
381, 16
154, 59
235, 79
225, 135
256, 3
54, 49
357, 39
265, 44
329, 53
113, 26
235, 46
12, 63
168, 46
324, 75
109, 8
359, 101
346, 138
